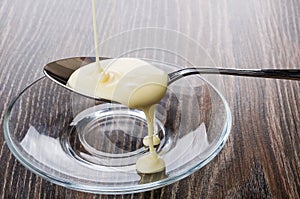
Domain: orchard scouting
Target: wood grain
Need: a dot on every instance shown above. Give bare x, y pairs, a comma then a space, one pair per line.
261, 156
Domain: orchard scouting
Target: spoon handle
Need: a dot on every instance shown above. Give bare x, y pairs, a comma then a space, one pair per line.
292, 74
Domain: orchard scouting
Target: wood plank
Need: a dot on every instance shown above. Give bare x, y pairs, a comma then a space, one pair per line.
261, 156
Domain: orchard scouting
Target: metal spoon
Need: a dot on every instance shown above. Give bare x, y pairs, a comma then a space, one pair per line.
59, 71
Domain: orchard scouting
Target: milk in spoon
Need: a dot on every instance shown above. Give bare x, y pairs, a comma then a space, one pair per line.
131, 82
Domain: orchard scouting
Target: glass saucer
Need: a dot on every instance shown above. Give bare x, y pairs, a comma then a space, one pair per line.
94, 147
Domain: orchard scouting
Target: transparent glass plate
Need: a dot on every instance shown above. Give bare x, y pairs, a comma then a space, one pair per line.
94, 146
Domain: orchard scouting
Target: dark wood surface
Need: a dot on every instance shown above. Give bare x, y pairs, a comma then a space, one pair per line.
261, 156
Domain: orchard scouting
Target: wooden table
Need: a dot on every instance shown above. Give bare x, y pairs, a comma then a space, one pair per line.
261, 156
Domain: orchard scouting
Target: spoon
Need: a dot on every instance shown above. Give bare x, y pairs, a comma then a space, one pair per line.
59, 71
